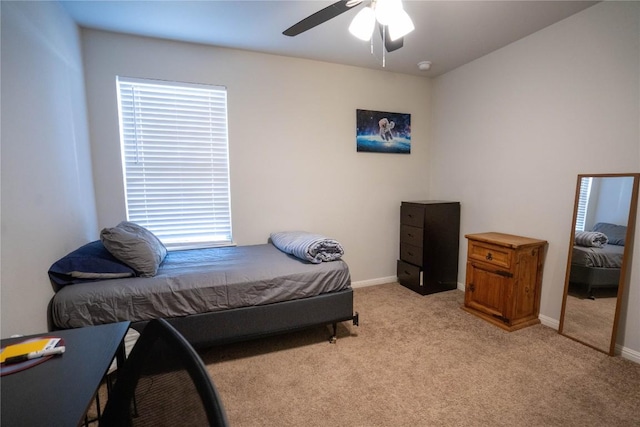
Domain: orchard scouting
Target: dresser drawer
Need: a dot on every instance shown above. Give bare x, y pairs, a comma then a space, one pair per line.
490, 254
429, 245
412, 215
410, 253
411, 235
409, 275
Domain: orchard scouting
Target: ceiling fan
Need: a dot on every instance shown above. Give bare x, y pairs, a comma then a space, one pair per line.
393, 22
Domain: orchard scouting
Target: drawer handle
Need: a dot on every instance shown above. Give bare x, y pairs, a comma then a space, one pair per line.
406, 272
489, 256
410, 253
503, 273
472, 287
409, 234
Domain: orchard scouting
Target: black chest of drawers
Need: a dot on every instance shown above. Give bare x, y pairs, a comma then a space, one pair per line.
429, 244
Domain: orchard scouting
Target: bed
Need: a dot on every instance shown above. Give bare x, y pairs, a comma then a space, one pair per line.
597, 259
215, 295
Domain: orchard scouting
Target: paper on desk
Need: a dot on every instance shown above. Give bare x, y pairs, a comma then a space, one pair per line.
27, 347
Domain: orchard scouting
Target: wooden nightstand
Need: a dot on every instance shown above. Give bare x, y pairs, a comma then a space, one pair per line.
504, 277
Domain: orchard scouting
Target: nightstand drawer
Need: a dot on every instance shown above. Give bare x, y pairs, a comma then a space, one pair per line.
412, 215
491, 254
411, 254
411, 235
409, 275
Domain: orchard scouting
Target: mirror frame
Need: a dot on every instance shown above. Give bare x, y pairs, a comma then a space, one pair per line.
633, 208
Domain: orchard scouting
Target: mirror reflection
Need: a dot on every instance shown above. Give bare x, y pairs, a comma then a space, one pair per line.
604, 209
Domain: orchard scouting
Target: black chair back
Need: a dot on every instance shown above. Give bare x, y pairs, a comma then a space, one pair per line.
163, 382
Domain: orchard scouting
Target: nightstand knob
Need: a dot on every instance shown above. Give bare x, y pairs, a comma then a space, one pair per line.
472, 287
489, 256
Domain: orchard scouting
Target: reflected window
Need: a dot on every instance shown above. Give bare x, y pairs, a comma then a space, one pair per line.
583, 203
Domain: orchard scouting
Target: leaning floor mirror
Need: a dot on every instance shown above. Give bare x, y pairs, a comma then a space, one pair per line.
599, 258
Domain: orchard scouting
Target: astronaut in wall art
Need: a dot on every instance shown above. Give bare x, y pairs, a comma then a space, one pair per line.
383, 132
385, 129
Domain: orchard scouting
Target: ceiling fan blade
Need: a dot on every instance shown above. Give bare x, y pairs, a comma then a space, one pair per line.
320, 17
389, 44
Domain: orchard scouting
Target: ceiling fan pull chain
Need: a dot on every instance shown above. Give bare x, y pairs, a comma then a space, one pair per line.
384, 54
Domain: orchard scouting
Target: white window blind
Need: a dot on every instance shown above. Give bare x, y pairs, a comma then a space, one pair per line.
583, 203
175, 158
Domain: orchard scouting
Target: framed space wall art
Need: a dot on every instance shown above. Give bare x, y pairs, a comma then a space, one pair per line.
383, 132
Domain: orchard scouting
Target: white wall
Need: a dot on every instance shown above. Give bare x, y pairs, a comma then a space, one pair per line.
48, 206
609, 200
507, 136
293, 156
512, 130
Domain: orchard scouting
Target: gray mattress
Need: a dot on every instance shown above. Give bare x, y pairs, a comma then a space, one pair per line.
199, 281
609, 256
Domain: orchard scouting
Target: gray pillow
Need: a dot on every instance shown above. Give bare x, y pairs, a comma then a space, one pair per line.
136, 246
615, 233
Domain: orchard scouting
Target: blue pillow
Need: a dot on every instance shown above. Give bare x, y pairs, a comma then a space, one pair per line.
89, 262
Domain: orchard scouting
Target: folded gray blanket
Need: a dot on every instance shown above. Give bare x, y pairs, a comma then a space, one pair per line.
310, 247
591, 239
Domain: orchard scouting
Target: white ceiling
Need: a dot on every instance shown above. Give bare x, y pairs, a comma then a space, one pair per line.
448, 33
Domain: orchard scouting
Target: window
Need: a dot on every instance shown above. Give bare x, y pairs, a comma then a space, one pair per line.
583, 203
175, 160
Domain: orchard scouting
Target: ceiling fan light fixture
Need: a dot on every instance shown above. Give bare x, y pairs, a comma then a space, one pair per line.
400, 26
386, 10
363, 24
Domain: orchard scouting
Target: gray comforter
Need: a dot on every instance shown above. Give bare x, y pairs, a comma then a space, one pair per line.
591, 239
311, 247
198, 281
609, 256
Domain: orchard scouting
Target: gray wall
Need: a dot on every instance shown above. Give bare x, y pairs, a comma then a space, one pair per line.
521, 123
48, 205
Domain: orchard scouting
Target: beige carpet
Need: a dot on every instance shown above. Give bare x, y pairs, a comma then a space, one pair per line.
590, 320
422, 361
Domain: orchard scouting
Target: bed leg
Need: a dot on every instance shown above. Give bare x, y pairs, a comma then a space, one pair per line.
355, 319
334, 337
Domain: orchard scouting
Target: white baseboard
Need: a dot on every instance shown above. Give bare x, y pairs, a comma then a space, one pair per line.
549, 321
629, 354
373, 282
385, 280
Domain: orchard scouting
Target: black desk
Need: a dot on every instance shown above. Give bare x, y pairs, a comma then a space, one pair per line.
59, 391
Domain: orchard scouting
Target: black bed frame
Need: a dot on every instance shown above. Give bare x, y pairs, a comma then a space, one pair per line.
590, 278
245, 323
